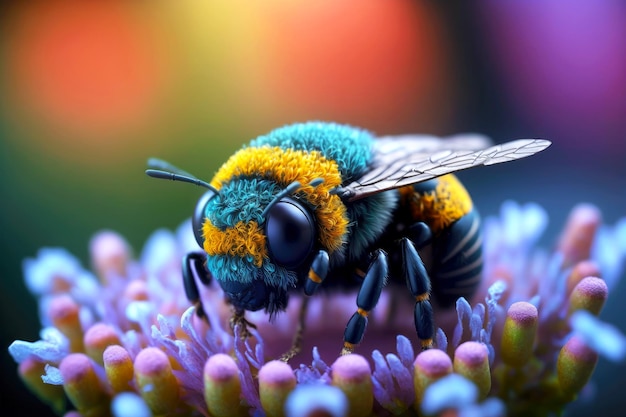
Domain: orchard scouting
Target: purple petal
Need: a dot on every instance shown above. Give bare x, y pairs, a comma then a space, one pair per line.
52, 376
463, 309
318, 363
382, 379
494, 293
405, 351
43, 350
442, 340
404, 389
477, 320
248, 386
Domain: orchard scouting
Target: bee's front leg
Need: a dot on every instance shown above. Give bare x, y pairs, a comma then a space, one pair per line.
317, 274
194, 265
368, 296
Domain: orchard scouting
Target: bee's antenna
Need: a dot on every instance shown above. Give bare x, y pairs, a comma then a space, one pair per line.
290, 189
161, 165
167, 171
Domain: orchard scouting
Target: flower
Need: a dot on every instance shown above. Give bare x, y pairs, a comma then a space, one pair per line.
124, 340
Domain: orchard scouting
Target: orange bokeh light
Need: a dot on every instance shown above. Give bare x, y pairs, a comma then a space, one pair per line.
387, 60
90, 70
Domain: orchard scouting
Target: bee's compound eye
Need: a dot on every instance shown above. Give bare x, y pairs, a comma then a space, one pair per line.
290, 232
198, 216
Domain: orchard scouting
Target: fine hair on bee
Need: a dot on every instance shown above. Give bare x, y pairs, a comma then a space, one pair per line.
320, 204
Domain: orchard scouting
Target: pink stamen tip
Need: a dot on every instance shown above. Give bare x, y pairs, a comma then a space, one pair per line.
434, 362
221, 367
576, 348
593, 287
115, 354
75, 367
352, 367
62, 307
151, 361
523, 313
136, 290
108, 244
586, 214
276, 373
100, 334
472, 353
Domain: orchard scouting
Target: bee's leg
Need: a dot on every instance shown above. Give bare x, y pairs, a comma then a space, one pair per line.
420, 234
194, 265
368, 296
317, 274
418, 282
296, 345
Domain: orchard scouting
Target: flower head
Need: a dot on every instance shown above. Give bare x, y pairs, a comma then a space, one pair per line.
124, 339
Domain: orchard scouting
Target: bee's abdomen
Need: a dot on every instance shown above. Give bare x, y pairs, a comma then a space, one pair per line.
458, 262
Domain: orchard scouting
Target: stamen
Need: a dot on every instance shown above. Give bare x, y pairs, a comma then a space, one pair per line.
471, 360
276, 381
157, 384
119, 369
520, 332
82, 385
98, 338
222, 386
353, 375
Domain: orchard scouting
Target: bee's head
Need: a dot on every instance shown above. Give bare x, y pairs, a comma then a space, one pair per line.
258, 238
264, 215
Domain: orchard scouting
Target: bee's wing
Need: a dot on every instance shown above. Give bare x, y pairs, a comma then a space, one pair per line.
405, 160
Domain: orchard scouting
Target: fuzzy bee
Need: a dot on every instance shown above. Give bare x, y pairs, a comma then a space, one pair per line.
324, 205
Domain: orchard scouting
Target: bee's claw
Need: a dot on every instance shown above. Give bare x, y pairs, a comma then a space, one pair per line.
239, 319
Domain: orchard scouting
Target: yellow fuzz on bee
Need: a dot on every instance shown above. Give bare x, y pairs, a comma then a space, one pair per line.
286, 166
244, 239
439, 208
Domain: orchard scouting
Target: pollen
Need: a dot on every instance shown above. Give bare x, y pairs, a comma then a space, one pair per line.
440, 207
242, 240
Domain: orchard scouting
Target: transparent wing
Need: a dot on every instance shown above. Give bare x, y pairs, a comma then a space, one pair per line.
399, 162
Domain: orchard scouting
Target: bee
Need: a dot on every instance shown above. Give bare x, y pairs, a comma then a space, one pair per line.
319, 204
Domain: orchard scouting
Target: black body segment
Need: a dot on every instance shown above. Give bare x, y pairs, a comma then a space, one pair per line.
373, 283
368, 297
355, 329
424, 323
413, 269
418, 282
420, 234
458, 254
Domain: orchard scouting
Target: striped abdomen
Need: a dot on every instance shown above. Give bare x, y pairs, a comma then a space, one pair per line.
446, 207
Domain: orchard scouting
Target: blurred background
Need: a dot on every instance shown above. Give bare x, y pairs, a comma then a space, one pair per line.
90, 90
